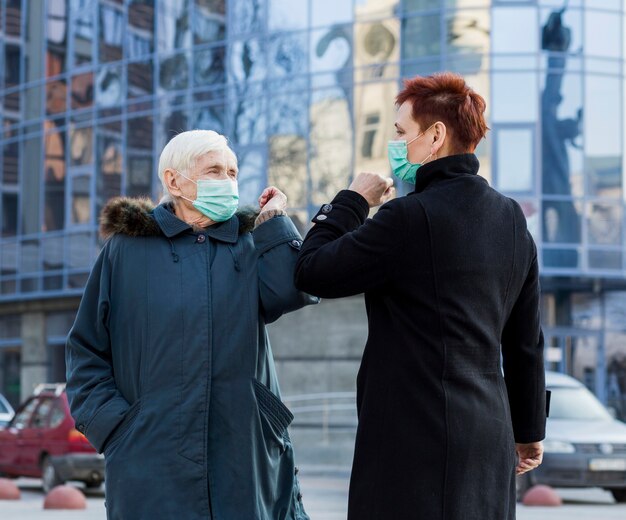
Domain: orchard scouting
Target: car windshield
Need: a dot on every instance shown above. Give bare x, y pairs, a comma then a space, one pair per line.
576, 404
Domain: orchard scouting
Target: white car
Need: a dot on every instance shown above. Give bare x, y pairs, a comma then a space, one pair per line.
6, 411
584, 446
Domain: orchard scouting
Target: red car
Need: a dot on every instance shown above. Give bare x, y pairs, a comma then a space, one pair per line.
41, 441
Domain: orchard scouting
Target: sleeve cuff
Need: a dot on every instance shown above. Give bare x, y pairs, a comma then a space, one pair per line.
274, 232
346, 202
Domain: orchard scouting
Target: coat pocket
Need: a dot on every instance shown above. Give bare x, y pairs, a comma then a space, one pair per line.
277, 416
122, 429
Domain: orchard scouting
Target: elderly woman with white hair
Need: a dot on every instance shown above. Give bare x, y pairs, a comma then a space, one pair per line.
170, 372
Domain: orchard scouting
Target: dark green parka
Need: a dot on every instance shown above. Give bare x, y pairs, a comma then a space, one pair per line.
170, 371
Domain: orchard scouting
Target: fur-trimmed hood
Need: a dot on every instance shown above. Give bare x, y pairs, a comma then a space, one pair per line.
134, 217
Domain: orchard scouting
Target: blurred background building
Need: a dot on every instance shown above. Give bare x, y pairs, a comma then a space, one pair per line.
91, 90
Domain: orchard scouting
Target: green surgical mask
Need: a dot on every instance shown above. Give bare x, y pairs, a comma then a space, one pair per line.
398, 159
216, 199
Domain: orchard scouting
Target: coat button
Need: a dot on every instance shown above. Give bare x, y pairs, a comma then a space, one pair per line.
321, 217
296, 243
200, 239
327, 208
80, 428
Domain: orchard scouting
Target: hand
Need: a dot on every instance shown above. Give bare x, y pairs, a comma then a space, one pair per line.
272, 198
530, 456
374, 188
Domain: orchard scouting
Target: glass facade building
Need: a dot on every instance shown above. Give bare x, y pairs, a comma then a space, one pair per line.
91, 90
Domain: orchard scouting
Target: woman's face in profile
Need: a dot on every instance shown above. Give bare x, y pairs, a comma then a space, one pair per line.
408, 129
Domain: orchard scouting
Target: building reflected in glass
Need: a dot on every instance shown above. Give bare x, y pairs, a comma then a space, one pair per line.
91, 90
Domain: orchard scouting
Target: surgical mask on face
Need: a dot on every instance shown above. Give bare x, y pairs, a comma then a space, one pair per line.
398, 152
216, 199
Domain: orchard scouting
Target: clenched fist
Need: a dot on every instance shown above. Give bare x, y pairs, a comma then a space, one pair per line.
374, 188
272, 199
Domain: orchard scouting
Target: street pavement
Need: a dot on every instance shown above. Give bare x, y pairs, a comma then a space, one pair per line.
325, 495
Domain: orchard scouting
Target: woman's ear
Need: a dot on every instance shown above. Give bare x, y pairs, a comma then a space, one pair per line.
439, 137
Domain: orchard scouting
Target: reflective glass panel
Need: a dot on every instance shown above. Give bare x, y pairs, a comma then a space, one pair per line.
561, 222
112, 31
603, 32
418, 5
514, 97
421, 36
515, 156
514, 30
140, 34
210, 117
248, 16
287, 55
601, 259
81, 199
138, 174
604, 223
8, 258
603, 115
82, 91
12, 65
468, 33
80, 250
82, 12
54, 181
209, 66
9, 214
560, 258
209, 21
29, 256
56, 32
110, 86
140, 78
331, 50
174, 72
249, 117
331, 12
247, 60
288, 115
52, 249
109, 172
604, 176
252, 177
56, 100
288, 14
14, 17
287, 167
81, 145
173, 25
331, 141
377, 50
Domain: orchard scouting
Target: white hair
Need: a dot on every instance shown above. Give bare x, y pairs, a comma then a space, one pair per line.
183, 150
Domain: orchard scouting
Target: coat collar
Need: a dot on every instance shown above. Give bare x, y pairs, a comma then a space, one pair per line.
171, 225
445, 168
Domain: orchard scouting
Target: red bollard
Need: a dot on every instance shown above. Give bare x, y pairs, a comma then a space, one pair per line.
541, 495
65, 497
8, 490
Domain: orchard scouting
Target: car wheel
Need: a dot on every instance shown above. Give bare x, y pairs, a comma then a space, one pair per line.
49, 476
522, 484
619, 495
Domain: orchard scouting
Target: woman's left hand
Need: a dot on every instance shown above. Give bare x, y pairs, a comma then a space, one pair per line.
272, 199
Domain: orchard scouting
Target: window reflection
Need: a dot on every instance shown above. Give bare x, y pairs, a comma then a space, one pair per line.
418, 5
140, 78
109, 171
247, 16
609, 26
515, 155
139, 172
252, 176
82, 12
330, 136
330, 12
9, 213
210, 66
288, 55
247, 61
287, 168
421, 36
52, 249
172, 25
54, 180
29, 256
514, 97
288, 14
110, 86
249, 115
81, 199
288, 115
80, 250
210, 117
174, 72
82, 91
8, 258
561, 222
14, 18
468, 34
56, 92
56, 31
81, 146
377, 50
601, 259
209, 21
514, 30
112, 30
140, 35
604, 223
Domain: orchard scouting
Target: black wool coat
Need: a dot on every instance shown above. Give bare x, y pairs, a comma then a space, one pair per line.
451, 289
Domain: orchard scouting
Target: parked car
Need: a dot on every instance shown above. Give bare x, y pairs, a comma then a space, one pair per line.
584, 446
6, 411
41, 441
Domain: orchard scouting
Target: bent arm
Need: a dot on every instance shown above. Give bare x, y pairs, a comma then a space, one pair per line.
522, 354
345, 254
278, 242
96, 404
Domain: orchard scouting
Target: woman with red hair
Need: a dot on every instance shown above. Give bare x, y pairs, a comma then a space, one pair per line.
451, 393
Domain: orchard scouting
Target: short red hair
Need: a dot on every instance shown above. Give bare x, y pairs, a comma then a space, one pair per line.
446, 97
